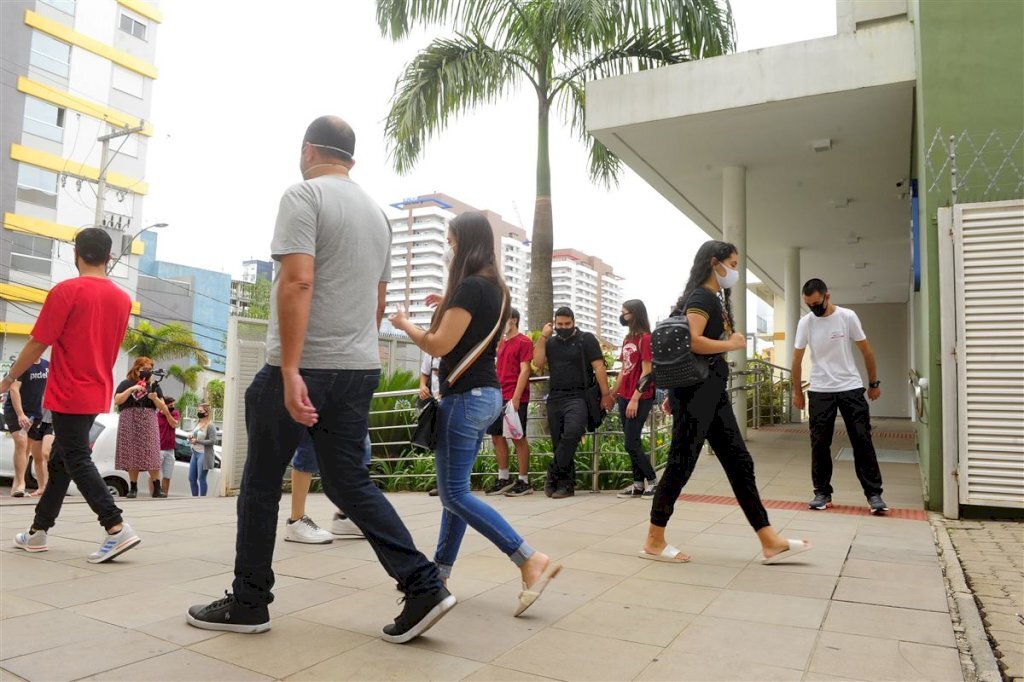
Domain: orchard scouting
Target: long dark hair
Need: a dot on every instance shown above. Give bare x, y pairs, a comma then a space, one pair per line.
701, 271
474, 255
640, 324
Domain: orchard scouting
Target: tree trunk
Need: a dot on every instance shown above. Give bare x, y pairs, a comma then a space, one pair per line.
540, 294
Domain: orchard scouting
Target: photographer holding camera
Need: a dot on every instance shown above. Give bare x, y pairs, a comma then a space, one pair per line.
138, 436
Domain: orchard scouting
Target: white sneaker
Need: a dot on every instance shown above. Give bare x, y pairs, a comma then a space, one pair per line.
115, 545
31, 542
304, 530
345, 527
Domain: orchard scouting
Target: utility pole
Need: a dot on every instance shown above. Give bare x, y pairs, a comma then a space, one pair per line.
101, 188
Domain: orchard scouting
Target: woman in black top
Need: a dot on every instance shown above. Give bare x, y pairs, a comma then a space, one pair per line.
464, 334
704, 412
138, 434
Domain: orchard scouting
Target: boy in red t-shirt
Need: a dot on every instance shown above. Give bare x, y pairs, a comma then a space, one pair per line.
514, 356
84, 319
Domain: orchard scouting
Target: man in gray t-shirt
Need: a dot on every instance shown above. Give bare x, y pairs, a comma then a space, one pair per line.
332, 244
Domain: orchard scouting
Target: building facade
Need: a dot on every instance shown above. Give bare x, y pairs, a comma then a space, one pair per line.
73, 70
419, 240
257, 269
591, 288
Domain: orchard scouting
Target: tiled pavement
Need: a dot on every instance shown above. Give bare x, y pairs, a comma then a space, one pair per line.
868, 603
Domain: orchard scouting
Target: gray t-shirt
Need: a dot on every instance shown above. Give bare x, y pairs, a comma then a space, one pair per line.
332, 219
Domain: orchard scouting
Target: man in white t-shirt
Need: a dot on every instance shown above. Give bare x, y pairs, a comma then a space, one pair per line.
836, 386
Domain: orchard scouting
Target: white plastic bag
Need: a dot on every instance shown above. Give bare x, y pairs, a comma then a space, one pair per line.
511, 426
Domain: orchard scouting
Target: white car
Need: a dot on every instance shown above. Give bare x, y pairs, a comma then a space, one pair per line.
103, 437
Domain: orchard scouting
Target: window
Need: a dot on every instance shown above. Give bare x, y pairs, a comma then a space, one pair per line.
44, 119
37, 186
134, 26
128, 81
50, 55
66, 6
31, 254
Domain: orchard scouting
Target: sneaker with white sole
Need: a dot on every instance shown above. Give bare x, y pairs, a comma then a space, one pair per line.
631, 493
418, 615
227, 615
345, 527
31, 542
877, 505
520, 488
307, 532
500, 487
115, 545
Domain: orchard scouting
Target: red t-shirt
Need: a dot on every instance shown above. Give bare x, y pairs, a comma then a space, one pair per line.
84, 319
511, 354
166, 430
634, 352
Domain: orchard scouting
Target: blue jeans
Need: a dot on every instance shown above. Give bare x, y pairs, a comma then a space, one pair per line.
463, 419
305, 455
197, 474
342, 399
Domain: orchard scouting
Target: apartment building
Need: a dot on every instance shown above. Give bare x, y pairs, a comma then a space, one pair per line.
591, 288
420, 237
72, 71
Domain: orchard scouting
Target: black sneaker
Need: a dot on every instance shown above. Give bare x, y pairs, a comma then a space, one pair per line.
419, 615
228, 615
649, 492
550, 486
520, 488
501, 486
432, 492
820, 502
877, 504
562, 492
631, 493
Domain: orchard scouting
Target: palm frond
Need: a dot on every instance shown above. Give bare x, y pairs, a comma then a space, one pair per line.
448, 77
397, 18
604, 165
706, 26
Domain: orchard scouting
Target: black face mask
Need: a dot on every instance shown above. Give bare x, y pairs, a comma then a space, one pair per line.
146, 373
623, 321
820, 309
201, 415
565, 333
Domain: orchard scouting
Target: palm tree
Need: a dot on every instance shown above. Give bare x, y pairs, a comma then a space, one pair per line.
170, 341
187, 377
554, 47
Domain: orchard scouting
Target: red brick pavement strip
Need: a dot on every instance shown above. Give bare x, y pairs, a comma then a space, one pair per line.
896, 435
909, 514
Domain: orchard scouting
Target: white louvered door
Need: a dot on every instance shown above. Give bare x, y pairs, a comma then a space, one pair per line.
245, 358
988, 242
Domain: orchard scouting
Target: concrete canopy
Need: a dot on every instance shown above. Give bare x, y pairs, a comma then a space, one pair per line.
679, 126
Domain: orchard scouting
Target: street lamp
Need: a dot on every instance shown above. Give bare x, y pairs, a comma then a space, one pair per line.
125, 250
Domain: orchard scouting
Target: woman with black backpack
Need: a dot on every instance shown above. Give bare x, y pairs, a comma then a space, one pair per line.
704, 411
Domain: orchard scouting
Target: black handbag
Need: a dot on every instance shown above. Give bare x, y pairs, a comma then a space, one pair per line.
591, 394
425, 435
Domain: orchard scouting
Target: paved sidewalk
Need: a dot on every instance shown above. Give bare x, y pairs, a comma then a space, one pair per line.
992, 556
868, 603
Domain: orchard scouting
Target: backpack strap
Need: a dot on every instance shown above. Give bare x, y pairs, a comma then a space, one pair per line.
474, 354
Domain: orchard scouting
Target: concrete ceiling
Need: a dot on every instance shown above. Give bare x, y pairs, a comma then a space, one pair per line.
791, 189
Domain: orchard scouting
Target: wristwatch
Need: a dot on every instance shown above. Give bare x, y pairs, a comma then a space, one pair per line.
874, 384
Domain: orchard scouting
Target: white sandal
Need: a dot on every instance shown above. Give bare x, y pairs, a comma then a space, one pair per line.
668, 555
531, 594
795, 547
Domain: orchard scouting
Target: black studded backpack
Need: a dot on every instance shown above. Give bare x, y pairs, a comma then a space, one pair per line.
675, 365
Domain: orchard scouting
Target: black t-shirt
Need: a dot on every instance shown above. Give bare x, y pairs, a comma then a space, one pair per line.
481, 299
709, 306
564, 365
33, 385
142, 401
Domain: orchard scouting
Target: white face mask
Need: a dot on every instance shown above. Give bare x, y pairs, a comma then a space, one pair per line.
729, 280
449, 256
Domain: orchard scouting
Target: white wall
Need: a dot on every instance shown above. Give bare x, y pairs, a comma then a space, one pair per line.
888, 330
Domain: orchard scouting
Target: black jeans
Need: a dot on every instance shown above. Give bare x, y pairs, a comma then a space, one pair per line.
342, 399
705, 413
854, 408
567, 421
632, 431
71, 460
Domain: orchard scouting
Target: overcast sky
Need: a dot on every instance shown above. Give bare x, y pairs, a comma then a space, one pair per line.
236, 91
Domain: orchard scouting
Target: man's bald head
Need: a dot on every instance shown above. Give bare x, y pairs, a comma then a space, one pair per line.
332, 137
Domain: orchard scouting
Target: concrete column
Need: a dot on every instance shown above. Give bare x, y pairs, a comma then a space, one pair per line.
734, 230
793, 298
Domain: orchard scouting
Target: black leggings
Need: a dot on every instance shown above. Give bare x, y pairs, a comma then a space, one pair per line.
704, 412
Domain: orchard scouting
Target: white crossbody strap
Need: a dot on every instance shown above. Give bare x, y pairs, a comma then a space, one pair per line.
477, 350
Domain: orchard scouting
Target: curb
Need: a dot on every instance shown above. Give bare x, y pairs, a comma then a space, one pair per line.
972, 639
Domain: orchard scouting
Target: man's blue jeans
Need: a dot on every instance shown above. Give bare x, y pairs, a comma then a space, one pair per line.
462, 421
342, 399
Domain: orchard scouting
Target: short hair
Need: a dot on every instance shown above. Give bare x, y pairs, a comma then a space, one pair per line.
93, 245
169, 399
333, 137
815, 285
565, 311
513, 314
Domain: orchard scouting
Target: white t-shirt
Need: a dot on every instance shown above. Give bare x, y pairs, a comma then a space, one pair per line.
430, 367
831, 340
